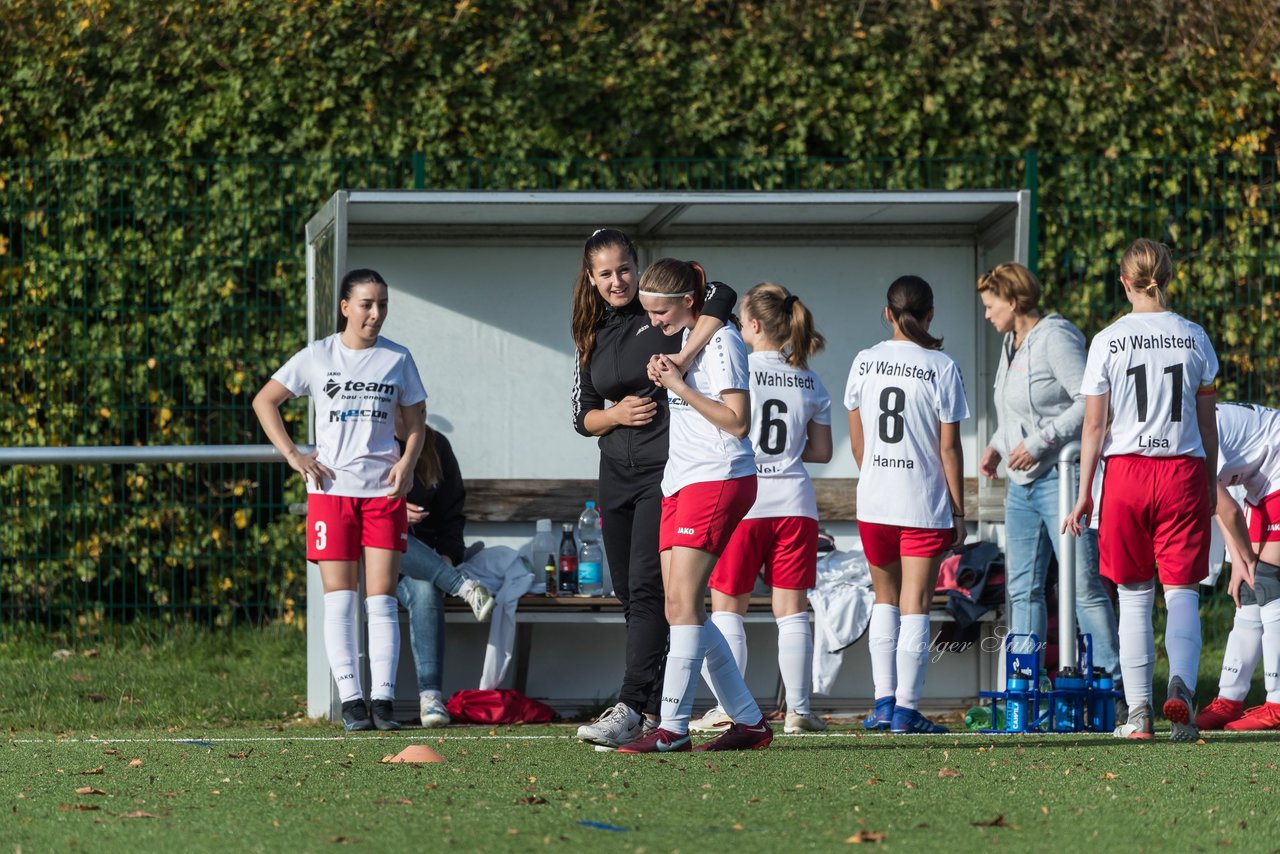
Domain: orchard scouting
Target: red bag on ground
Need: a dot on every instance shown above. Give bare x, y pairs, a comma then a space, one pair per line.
497, 707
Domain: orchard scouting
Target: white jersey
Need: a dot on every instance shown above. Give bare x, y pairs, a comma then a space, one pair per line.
1249, 449
701, 452
784, 399
1153, 364
903, 394
355, 393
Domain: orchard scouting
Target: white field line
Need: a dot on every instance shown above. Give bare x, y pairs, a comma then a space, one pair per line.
435, 735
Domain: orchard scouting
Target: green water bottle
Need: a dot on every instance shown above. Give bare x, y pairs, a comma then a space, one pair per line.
979, 718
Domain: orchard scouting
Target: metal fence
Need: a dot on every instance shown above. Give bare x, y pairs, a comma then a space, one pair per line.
144, 302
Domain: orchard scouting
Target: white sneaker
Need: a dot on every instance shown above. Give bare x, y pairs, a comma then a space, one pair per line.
715, 720
616, 727
479, 598
1138, 724
432, 712
809, 722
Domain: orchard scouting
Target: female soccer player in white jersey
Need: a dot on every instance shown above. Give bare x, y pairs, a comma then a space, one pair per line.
1249, 457
1151, 373
708, 486
357, 480
791, 425
906, 401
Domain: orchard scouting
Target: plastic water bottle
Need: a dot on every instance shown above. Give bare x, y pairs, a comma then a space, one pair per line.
544, 543
979, 718
590, 553
568, 562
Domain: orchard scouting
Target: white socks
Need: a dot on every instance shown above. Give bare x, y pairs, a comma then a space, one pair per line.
1182, 634
340, 642
795, 660
384, 646
912, 659
1244, 648
1270, 614
882, 641
726, 680
680, 681
734, 632
1137, 641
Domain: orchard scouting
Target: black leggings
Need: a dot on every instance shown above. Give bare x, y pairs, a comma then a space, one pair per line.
631, 510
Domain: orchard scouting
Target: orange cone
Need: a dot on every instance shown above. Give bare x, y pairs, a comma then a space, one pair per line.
417, 753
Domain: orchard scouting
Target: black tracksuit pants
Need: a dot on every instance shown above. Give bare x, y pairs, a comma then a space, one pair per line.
631, 510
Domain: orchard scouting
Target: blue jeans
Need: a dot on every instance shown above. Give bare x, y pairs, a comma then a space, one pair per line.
1031, 525
425, 578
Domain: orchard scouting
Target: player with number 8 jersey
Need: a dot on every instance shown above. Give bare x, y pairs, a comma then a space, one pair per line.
905, 399
1151, 376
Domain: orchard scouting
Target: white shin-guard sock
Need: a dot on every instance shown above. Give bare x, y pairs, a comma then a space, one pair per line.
384, 646
1182, 634
1137, 641
1270, 613
912, 659
1244, 649
340, 642
734, 632
882, 641
726, 681
680, 681
795, 660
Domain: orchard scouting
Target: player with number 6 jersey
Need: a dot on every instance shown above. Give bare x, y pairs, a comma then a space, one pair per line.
1149, 413
905, 399
790, 425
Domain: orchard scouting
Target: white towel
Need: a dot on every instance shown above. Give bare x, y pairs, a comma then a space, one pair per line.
841, 612
502, 571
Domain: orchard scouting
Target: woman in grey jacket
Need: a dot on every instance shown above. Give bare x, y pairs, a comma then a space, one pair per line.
1039, 409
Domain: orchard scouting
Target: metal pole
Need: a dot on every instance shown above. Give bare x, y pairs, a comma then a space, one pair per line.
124, 454
1067, 488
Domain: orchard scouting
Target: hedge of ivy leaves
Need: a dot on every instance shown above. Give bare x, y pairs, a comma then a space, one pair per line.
158, 159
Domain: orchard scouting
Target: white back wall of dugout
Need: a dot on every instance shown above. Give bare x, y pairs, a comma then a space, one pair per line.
481, 284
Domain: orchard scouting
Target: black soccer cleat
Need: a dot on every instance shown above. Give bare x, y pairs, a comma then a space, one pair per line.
384, 716
355, 716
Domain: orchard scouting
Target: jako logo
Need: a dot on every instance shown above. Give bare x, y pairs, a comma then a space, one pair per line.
331, 388
688, 531
357, 415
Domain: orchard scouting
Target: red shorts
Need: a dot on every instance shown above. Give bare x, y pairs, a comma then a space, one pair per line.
703, 515
1264, 520
786, 546
339, 525
1154, 518
887, 544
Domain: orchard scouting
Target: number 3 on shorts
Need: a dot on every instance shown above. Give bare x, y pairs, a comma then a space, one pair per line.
321, 540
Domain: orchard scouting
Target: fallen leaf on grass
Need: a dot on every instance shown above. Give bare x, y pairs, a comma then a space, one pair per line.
138, 814
95, 697
98, 770
949, 772
404, 801
62, 654
998, 821
134, 763
90, 653
111, 751
342, 840
872, 781
866, 836
1109, 776
388, 757
531, 800
240, 754
85, 807
78, 677
89, 790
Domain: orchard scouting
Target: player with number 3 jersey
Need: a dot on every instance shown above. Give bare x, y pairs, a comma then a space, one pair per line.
905, 399
1151, 374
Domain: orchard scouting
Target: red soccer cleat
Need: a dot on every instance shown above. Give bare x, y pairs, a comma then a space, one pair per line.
741, 737
1220, 713
658, 740
1266, 716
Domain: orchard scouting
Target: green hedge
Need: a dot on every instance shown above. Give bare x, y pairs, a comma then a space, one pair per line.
157, 162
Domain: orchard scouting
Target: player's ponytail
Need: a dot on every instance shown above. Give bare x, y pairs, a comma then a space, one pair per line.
784, 321
671, 277
910, 302
1148, 266
362, 276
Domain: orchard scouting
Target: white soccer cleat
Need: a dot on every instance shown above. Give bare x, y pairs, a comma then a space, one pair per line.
433, 713
1138, 725
479, 598
618, 725
797, 723
715, 720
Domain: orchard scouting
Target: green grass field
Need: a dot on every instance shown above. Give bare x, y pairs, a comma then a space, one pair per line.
195, 742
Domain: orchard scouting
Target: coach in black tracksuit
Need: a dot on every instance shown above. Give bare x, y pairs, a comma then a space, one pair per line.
615, 342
